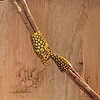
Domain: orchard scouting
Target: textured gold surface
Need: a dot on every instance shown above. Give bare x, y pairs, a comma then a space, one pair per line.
61, 62
41, 47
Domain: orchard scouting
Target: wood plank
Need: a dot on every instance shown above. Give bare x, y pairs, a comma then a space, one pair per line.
91, 46
71, 30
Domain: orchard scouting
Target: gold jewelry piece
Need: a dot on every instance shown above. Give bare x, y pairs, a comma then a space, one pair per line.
41, 47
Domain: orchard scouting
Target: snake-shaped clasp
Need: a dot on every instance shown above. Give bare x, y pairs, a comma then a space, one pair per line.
41, 47
61, 62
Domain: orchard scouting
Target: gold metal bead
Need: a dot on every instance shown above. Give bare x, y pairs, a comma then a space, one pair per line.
41, 47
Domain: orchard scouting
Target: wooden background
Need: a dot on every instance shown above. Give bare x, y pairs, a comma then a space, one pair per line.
72, 29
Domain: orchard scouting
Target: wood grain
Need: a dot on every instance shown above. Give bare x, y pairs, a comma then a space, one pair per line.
71, 29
